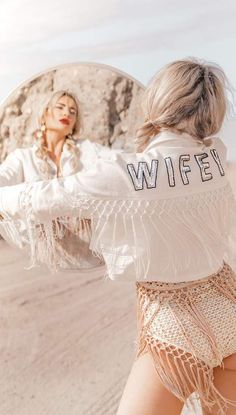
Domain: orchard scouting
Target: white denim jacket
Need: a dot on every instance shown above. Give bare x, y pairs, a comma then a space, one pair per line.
23, 165
166, 214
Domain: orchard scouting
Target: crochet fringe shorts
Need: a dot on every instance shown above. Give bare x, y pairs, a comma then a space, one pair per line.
188, 328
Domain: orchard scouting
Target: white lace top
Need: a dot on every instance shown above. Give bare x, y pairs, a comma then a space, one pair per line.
166, 214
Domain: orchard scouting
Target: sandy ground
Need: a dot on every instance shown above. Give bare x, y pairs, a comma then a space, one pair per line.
67, 341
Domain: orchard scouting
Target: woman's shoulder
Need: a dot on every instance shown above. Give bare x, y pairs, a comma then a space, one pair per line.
23, 150
22, 154
86, 142
218, 149
92, 147
216, 140
15, 154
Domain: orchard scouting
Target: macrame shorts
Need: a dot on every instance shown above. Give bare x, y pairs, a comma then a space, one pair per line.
188, 328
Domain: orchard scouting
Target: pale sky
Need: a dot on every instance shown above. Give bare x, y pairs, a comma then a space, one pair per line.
137, 37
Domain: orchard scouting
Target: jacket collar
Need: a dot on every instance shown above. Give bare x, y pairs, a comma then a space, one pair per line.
66, 154
170, 139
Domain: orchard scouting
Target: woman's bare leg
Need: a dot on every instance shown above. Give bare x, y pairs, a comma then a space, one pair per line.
225, 381
144, 394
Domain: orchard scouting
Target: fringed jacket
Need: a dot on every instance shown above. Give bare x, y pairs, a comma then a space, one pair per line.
165, 214
23, 165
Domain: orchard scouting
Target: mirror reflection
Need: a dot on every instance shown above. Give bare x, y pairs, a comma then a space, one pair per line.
60, 123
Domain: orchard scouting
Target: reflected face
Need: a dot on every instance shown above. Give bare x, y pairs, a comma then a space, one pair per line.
62, 115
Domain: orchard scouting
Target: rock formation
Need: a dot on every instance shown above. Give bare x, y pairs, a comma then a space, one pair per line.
110, 105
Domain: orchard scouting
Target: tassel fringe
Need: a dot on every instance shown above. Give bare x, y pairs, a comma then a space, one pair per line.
185, 371
136, 238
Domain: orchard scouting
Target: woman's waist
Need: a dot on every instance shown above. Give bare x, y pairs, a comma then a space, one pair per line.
163, 285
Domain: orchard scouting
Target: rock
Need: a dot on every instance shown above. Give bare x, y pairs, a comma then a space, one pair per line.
110, 105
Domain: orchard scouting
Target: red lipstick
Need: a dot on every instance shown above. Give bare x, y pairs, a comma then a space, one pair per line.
65, 121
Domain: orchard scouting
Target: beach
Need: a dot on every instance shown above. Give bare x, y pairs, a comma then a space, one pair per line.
67, 340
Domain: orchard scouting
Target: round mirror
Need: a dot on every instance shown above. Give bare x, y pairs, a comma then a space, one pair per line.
56, 124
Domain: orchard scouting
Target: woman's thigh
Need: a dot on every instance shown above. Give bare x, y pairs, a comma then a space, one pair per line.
225, 381
144, 392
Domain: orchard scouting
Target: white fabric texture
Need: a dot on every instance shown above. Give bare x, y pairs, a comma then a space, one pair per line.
165, 214
23, 165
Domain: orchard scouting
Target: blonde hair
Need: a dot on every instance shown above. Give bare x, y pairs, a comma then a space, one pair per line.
71, 140
185, 96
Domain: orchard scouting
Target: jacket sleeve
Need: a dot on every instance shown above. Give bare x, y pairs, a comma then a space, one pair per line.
11, 173
65, 196
50, 208
11, 170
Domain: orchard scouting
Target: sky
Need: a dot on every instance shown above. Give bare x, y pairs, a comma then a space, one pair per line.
135, 36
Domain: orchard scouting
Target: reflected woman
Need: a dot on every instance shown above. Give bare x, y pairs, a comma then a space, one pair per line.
57, 152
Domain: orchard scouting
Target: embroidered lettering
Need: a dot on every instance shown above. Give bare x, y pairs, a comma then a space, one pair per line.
203, 165
170, 171
216, 157
184, 169
146, 174
143, 173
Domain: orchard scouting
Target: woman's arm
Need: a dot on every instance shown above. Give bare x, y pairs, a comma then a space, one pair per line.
11, 173
49, 207
66, 196
11, 170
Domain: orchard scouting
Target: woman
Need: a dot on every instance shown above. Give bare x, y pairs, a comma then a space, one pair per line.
57, 152
163, 216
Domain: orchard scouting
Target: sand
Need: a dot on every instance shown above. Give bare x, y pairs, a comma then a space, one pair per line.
67, 340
